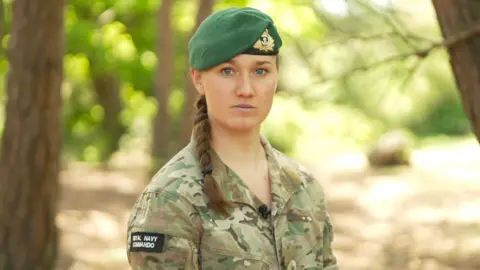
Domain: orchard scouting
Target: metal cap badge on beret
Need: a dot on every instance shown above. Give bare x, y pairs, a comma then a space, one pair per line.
232, 31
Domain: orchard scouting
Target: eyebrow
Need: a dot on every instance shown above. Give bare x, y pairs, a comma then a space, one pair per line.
263, 63
258, 63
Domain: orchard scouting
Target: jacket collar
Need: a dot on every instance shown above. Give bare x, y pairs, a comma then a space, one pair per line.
284, 179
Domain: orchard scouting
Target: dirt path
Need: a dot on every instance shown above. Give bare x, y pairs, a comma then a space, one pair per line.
424, 217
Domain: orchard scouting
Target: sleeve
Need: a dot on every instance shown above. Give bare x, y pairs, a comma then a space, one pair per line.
317, 194
162, 233
329, 259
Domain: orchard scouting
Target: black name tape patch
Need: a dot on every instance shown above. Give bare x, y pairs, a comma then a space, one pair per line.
147, 242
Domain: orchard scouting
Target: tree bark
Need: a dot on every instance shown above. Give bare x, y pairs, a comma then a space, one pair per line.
455, 16
204, 10
30, 156
163, 83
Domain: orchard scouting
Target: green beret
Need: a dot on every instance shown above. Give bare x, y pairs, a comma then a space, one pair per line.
232, 31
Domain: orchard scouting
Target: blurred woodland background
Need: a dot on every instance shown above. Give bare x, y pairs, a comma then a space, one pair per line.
380, 98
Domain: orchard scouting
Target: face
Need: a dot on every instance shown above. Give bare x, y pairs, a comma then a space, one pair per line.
240, 91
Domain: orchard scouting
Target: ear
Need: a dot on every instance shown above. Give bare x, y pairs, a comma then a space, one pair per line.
196, 77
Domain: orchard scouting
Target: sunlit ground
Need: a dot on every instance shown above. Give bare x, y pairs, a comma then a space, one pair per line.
423, 217
426, 216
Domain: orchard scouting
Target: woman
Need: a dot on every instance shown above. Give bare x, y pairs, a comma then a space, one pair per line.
229, 200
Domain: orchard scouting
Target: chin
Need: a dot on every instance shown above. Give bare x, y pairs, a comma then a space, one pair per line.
244, 125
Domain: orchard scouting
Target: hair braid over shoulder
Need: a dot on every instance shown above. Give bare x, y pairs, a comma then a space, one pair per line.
202, 137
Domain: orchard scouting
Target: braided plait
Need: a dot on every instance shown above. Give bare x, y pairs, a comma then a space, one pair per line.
202, 137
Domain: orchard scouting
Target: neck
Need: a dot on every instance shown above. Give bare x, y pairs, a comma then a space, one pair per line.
243, 148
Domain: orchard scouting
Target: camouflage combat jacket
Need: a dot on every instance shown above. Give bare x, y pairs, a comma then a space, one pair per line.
171, 227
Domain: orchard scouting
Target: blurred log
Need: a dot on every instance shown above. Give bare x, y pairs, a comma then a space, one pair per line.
391, 149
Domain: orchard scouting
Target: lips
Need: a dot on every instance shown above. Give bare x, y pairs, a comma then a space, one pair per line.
244, 106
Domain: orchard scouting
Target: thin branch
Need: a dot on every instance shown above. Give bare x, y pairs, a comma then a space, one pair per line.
402, 33
394, 58
378, 36
326, 21
398, 32
410, 73
404, 82
305, 55
447, 43
388, 85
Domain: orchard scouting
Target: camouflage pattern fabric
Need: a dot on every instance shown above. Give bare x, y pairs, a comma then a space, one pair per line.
297, 235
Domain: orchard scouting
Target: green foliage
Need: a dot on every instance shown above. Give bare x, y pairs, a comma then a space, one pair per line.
282, 127
309, 115
107, 37
296, 130
139, 110
446, 117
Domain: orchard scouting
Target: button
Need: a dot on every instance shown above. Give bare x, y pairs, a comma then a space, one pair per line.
292, 265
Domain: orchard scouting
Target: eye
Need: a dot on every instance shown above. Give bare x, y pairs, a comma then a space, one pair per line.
261, 71
227, 71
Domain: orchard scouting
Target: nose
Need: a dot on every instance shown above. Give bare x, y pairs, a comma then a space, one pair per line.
245, 87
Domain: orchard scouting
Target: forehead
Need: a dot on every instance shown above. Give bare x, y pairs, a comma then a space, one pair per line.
251, 59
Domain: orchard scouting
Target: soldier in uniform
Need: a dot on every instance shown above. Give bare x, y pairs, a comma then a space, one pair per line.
229, 200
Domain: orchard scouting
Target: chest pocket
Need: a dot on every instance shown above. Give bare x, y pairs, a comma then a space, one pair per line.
300, 228
242, 241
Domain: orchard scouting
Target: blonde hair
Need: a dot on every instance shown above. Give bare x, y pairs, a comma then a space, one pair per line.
202, 137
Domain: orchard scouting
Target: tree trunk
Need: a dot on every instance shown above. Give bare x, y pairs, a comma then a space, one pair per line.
204, 10
30, 156
107, 88
163, 83
455, 16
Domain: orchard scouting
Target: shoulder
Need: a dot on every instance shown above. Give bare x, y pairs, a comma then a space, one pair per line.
170, 196
293, 168
298, 174
179, 179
